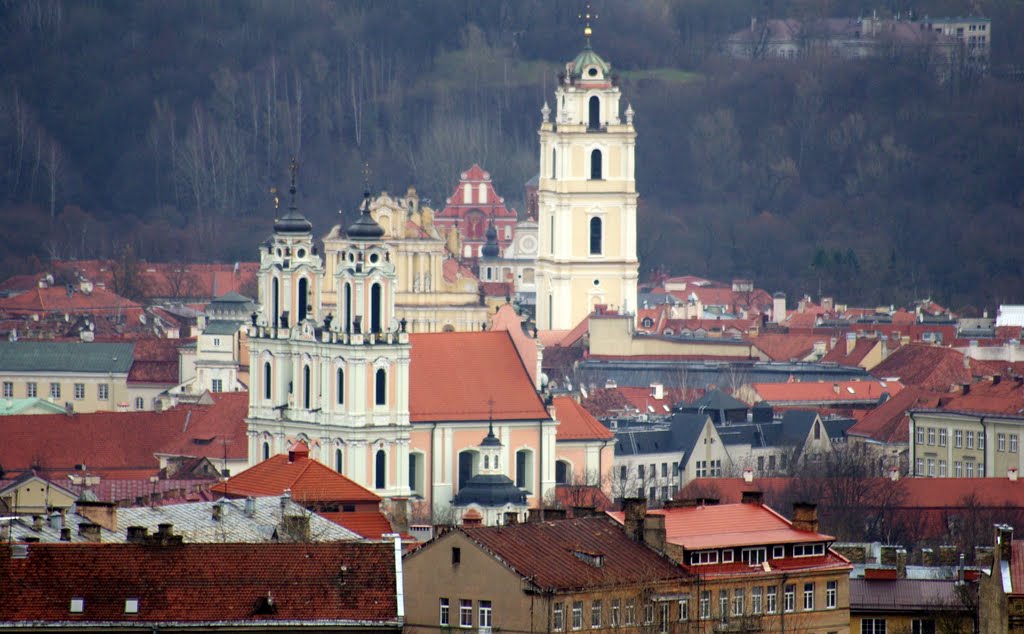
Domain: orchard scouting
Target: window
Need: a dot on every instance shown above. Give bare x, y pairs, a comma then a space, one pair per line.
55, 390
456, 556
485, 616
380, 469
922, 626
942, 437
789, 597
648, 613
872, 626
831, 591
639, 471
31, 389
577, 615
595, 613
931, 467
755, 600
339, 460
102, 391
554, 163
140, 403
702, 557
942, 468
445, 612
217, 385
340, 388
1000, 442
808, 550
79, 391
931, 435
1013, 443
808, 596
675, 469
616, 608
970, 469
631, 612
958, 439
558, 617
465, 613
684, 608
727, 556
266, 450
381, 387
702, 468
663, 617
77, 605
716, 468
754, 556
920, 435
131, 606
970, 440
594, 112
705, 604
8, 389
723, 605
958, 469
595, 165
770, 600
919, 467
737, 602
595, 236
778, 552
266, 380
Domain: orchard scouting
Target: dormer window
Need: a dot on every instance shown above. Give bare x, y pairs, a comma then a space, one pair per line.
77, 606
131, 606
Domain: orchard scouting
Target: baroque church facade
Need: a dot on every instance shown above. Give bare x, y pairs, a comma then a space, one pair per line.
586, 198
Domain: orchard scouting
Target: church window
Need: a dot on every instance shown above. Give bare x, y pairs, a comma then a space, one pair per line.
140, 403
595, 165
524, 469
266, 380
483, 192
266, 451
348, 306
562, 472
416, 473
554, 163
381, 387
303, 298
338, 460
301, 253
275, 300
595, 113
380, 470
341, 385
306, 396
468, 464
467, 193
595, 236
375, 308
487, 462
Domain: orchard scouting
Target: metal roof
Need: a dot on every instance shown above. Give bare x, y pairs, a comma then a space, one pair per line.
42, 356
222, 327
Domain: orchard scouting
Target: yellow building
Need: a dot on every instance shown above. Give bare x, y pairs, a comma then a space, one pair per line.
434, 292
586, 198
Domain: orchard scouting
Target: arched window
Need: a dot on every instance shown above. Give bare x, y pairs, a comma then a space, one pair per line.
339, 461
275, 295
348, 307
341, 385
595, 114
416, 473
380, 470
469, 462
595, 236
303, 298
554, 163
380, 391
267, 377
375, 308
562, 472
266, 451
524, 469
487, 462
306, 397
595, 165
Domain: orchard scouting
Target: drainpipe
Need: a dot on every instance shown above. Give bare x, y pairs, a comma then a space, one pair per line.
984, 451
910, 441
433, 430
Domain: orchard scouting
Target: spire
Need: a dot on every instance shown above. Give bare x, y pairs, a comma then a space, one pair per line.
490, 440
365, 227
586, 17
293, 221
490, 249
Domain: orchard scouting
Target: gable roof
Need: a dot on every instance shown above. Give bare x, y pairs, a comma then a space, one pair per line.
368, 524
58, 299
47, 356
203, 583
826, 392
12, 406
576, 423
309, 481
786, 346
889, 422
545, 553
929, 367
454, 375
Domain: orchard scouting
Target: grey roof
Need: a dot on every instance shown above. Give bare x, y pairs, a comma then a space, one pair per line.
717, 399
490, 490
534, 180
222, 327
700, 374
232, 298
679, 436
43, 356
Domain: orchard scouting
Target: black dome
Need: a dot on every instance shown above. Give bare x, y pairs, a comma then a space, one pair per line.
293, 222
365, 227
490, 250
490, 491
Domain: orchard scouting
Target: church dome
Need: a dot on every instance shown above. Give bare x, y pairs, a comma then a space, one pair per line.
490, 249
490, 491
588, 64
365, 227
293, 222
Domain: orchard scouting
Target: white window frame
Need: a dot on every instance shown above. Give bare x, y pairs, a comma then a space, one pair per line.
577, 615
484, 613
831, 594
32, 389
808, 597
103, 392
465, 613
444, 616
8, 389
789, 597
756, 604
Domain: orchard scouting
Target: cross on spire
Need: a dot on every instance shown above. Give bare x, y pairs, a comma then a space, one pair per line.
293, 168
586, 16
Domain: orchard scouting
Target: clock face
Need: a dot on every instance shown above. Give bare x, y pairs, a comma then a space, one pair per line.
529, 244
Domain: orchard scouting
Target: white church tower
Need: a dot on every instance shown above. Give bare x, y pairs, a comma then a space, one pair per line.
586, 197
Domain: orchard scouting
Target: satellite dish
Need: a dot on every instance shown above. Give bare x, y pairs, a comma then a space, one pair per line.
393, 326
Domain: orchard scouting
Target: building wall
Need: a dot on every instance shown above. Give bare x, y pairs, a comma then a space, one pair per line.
929, 451
118, 392
613, 335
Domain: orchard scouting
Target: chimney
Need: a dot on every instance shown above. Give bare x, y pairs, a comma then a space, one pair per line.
748, 474
654, 532
511, 518
947, 555
583, 511
102, 513
888, 555
137, 534
634, 510
217, 511
779, 308
927, 557
56, 521
982, 556
296, 527
90, 531
901, 563
1011, 474
65, 534
286, 497
851, 342
37, 523
657, 391
400, 515
250, 506
752, 497
805, 517
894, 473
1004, 541
827, 304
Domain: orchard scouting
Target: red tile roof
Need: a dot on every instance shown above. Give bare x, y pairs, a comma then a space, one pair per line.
454, 271
826, 392
861, 349
1017, 567
192, 583
310, 482
568, 496
889, 422
55, 299
215, 432
545, 552
162, 279
576, 423
368, 524
989, 397
469, 376
786, 347
930, 367
506, 318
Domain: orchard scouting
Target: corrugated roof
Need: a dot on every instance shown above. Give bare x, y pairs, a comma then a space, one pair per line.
252, 583
905, 595
47, 356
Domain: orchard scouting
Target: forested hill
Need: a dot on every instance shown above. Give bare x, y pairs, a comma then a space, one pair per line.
161, 127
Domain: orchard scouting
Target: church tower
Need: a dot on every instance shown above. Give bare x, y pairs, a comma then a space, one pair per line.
586, 197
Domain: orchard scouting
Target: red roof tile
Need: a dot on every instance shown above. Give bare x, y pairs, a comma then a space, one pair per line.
889, 422
202, 583
55, 299
826, 392
576, 423
989, 397
1017, 567
786, 347
469, 376
215, 432
310, 482
161, 279
368, 524
861, 349
927, 366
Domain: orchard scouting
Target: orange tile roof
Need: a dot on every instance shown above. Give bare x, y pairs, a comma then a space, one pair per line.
786, 347
989, 397
506, 318
825, 392
927, 366
861, 349
452, 271
161, 279
551, 337
721, 525
889, 422
470, 376
310, 482
576, 423
368, 524
215, 432
55, 299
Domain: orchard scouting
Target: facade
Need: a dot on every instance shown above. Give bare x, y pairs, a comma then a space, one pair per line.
882, 603
472, 208
434, 293
556, 576
1001, 608
219, 362
587, 198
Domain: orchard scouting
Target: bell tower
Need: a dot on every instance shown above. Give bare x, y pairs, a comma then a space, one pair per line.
586, 197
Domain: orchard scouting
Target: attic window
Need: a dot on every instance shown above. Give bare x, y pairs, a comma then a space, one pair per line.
131, 606
77, 606
591, 559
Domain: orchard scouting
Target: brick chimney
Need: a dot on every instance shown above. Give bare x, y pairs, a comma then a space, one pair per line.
654, 532
89, 531
1004, 541
634, 510
137, 535
805, 517
102, 513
